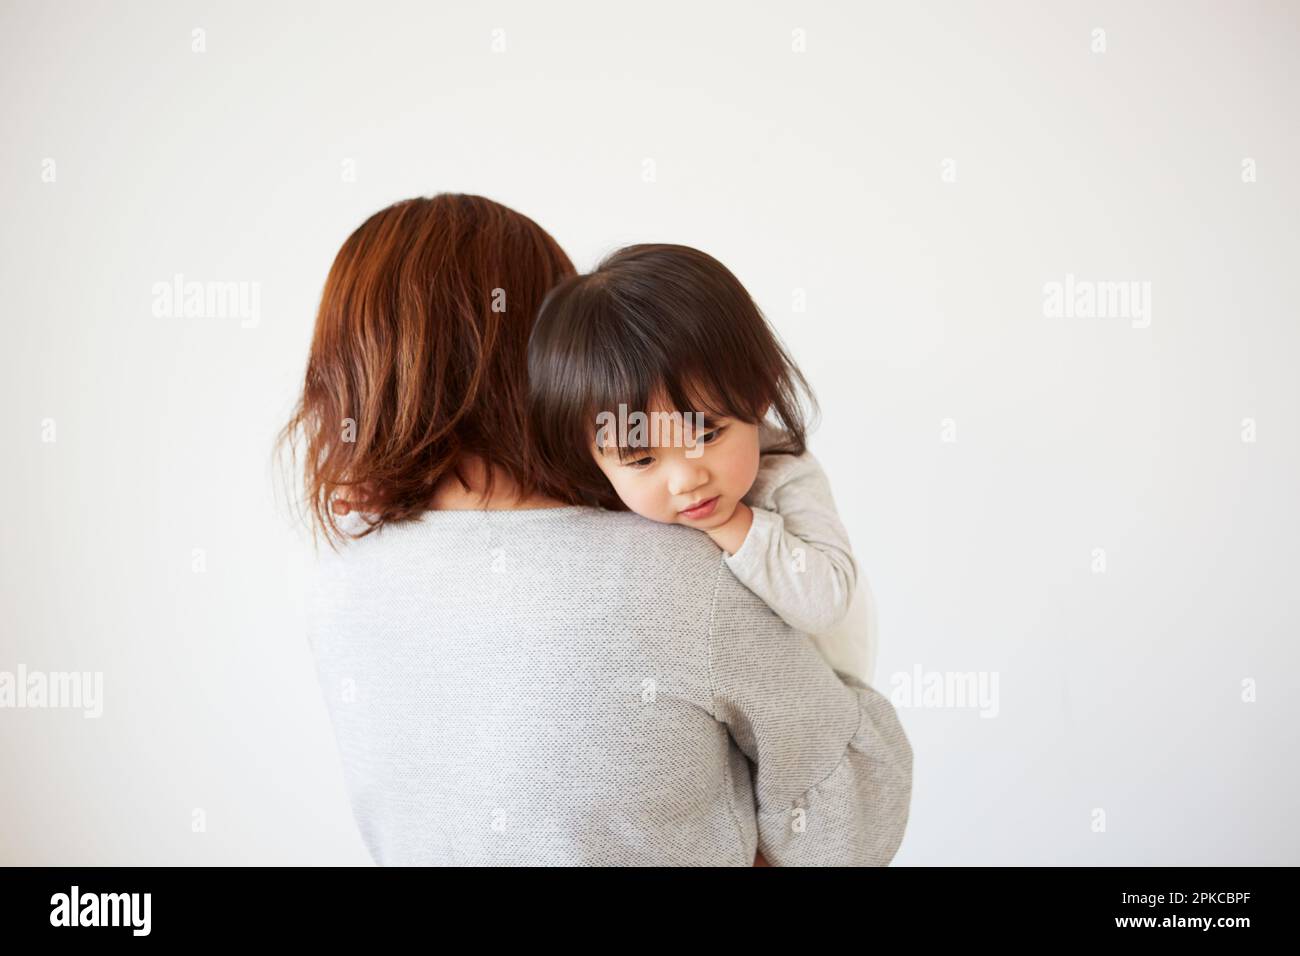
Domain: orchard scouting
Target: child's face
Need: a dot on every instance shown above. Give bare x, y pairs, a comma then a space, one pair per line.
664, 480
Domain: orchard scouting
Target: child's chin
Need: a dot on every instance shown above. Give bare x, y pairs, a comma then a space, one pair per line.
718, 518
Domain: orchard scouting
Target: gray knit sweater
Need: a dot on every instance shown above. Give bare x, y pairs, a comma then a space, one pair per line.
573, 686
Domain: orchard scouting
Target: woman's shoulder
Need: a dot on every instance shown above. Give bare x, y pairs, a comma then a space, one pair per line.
543, 543
632, 545
578, 574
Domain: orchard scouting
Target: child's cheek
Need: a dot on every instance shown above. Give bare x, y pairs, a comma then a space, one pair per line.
655, 506
641, 499
744, 471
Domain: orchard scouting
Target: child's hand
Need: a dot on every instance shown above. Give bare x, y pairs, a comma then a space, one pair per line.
730, 535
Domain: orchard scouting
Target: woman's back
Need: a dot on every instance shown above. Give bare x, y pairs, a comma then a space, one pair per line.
572, 686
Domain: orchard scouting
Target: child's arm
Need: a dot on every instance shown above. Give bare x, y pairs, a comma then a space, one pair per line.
795, 556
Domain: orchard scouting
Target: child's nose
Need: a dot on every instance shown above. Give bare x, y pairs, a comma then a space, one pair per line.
686, 478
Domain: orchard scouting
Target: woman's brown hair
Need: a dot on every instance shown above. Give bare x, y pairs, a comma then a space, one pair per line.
419, 357
652, 322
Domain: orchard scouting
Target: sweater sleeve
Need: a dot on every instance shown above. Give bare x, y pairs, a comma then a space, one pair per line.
797, 556
832, 767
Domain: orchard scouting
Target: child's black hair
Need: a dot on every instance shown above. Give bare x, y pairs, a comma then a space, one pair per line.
652, 320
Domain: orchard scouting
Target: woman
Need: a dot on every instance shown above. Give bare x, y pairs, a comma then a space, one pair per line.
512, 678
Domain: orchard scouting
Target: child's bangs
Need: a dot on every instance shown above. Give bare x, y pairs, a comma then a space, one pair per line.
627, 390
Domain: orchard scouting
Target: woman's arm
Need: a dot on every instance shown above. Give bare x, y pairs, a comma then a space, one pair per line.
832, 765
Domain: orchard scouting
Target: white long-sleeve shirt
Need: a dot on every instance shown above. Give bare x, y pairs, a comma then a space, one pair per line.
796, 556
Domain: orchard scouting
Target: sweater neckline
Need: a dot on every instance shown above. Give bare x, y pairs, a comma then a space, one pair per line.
450, 514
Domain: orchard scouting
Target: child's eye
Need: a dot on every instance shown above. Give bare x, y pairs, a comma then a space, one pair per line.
640, 463
709, 438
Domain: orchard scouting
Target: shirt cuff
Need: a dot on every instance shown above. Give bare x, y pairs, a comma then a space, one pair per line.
750, 561
857, 815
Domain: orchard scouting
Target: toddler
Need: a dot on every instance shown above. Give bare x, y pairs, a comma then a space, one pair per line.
653, 385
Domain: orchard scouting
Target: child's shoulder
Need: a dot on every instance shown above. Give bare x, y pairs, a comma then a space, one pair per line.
774, 450
776, 467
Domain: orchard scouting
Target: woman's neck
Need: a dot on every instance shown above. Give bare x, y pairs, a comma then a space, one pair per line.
451, 495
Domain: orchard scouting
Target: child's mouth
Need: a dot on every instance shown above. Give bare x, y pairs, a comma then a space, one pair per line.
702, 510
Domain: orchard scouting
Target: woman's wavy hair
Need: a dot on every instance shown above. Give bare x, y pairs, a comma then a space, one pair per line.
419, 357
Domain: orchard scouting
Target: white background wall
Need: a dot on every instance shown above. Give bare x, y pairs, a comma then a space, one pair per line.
821, 171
